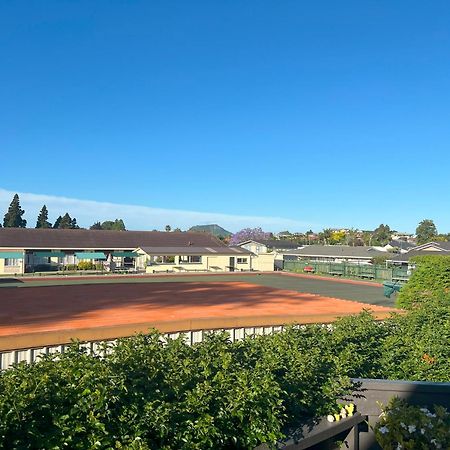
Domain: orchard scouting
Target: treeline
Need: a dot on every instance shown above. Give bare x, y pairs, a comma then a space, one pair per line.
426, 231
14, 219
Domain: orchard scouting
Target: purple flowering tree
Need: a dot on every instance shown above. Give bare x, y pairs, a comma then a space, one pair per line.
249, 233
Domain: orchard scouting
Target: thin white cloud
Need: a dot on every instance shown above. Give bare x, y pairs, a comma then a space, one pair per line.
140, 217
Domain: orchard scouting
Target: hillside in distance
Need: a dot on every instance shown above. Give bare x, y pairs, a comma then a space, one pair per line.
213, 229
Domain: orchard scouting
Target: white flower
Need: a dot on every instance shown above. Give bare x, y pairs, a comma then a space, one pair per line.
384, 430
330, 418
436, 443
399, 447
403, 425
425, 410
428, 414
422, 430
411, 428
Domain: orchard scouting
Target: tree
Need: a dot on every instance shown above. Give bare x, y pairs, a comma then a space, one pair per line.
426, 231
168, 228
96, 226
381, 235
42, 220
13, 218
57, 222
74, 224
249, 234
117, 225
337, 237
66, 222
381, 259
325, 236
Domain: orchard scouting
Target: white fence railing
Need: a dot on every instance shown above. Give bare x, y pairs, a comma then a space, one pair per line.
29, 355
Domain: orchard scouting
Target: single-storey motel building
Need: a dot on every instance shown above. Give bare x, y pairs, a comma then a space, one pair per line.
24, 250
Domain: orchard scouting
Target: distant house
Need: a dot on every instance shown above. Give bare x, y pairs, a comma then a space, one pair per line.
430, 248
399, 245
275, 247
28, 250
268, 245
334, 253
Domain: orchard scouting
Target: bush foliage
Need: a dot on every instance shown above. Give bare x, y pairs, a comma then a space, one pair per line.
148, 392
431, 277
411, 427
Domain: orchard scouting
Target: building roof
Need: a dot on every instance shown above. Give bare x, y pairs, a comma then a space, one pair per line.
30, 238
444, 246
440, 249
405, 257
338, 251
195, 250
401, 244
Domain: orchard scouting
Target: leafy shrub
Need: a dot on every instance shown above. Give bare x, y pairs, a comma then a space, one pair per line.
148, 392
416, 346
70, 267
432, 276
143, 394
412, 427
86, 265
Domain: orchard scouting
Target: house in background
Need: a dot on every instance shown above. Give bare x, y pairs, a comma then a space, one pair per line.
430, 248
275, 247
400, 246
29, 250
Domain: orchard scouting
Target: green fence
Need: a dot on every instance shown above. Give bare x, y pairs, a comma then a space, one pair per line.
375, 272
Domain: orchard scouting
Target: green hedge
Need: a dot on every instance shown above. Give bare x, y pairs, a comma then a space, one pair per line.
147, 393
431, 277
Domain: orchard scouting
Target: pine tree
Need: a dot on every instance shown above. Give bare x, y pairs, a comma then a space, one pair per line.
42, 220
57, 222
74, 224
66, 221
13, 218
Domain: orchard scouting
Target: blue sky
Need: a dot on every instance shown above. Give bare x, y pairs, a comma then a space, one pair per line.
292, 114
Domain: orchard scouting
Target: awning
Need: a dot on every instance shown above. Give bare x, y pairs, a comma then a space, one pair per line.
49, 254
125, 254
90, 255
11, 255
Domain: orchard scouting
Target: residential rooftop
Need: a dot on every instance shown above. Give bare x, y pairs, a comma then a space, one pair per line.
31, 238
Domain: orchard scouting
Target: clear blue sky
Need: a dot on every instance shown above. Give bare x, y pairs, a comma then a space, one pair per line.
328, 113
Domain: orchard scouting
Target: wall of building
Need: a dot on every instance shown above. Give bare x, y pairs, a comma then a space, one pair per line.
255, 247
209, 263
264, 262
19, 267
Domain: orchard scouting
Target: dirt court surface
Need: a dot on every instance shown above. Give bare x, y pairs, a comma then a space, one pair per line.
87, 309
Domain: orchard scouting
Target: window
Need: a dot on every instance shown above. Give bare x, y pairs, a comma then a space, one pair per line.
164, 259
193, 259
242, 260
12, 262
